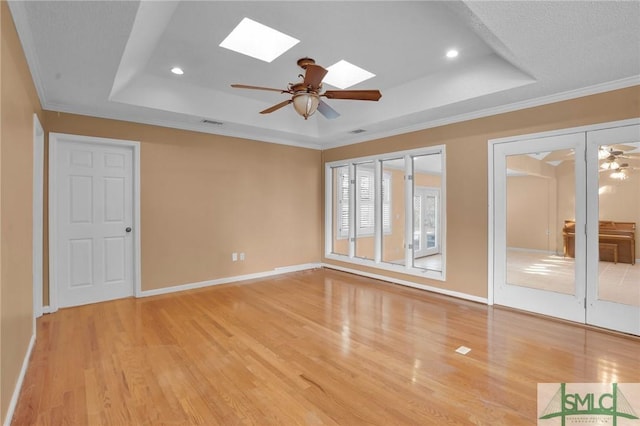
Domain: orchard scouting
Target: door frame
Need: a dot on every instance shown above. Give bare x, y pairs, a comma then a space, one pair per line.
38, 218
55, 139
491, 196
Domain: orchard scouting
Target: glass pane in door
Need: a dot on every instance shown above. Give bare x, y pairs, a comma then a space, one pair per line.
540, 221
427, 181
619, 214
341, 216
365, 190
431, 218
393, 211
417, 221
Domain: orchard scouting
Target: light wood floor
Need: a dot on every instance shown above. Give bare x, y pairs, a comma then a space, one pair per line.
314, 347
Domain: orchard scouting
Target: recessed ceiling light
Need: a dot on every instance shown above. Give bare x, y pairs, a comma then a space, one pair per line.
254, 39
177, 70
344, 74
452, 53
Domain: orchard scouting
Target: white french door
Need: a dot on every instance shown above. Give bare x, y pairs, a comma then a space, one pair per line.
530, 271
550, 195
613, 289
92, 194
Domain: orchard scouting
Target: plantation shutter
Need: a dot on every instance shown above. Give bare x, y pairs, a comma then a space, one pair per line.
343, 202
365, 202
366, 207
386, 202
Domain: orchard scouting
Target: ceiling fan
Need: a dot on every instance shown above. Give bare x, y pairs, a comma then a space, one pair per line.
612, 152
610, 158
307, 93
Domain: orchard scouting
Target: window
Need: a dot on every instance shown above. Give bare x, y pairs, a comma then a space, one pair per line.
365, 203
395, 205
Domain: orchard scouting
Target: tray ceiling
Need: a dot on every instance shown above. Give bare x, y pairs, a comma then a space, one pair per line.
113, 59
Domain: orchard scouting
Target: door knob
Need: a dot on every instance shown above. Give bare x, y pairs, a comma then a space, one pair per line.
128, 229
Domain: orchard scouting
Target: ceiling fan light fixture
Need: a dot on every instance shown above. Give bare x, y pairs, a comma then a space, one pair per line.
610, 165
306, 103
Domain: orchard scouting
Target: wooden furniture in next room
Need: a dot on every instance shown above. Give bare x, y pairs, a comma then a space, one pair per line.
617, 240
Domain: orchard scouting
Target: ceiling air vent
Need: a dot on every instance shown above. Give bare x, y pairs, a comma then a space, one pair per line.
212, 122
355, 132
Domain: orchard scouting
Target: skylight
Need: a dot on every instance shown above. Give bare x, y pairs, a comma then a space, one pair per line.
344, 74
254, 39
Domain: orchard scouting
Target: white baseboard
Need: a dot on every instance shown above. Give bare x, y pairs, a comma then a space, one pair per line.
47, 310
18, 388
227, 280
457, 294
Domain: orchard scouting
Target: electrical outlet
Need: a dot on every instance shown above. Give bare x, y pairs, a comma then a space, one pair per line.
234, 257
241, 256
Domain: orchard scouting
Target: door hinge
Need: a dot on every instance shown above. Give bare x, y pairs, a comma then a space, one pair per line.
409, 177
352, 181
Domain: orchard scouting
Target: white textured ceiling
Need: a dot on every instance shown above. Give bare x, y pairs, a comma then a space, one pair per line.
112, 59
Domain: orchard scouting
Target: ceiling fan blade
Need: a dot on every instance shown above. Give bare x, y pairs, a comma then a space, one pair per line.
314, 75
328, 112
359, 95
244, 86
276, 107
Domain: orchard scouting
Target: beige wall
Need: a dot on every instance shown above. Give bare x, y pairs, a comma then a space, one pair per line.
19, 102
466, 148
206, 196
531, 211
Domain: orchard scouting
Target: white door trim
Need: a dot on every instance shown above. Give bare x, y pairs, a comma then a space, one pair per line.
54, 140
38, 220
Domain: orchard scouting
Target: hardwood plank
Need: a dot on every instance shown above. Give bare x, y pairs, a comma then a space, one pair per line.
315, 347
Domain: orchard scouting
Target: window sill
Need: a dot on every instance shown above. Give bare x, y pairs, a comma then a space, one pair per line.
416, 272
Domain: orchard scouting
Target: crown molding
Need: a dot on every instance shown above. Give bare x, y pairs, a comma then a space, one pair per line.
23, 29
530, 103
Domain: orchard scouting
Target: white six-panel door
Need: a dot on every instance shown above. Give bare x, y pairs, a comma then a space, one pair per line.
92, 183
